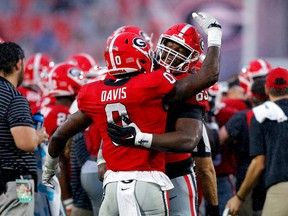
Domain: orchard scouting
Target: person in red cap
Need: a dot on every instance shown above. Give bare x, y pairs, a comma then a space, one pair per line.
268, 148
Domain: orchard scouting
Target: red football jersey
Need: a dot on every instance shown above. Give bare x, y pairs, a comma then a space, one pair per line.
33, 98
140, 98
47, 100
93, 139
54, 116
227, 108
199, 100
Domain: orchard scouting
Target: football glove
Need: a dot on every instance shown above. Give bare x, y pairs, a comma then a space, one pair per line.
51, 168
210, 26
128, 135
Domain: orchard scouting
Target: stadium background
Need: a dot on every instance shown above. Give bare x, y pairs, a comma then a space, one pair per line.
60, 28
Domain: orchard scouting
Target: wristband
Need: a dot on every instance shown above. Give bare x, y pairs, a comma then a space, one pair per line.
100, 161
51, 162
100, 158
68, 204
143, 139
214, 36
240, 198
213, 126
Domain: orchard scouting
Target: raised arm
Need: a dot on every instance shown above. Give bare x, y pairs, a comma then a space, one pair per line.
210, 70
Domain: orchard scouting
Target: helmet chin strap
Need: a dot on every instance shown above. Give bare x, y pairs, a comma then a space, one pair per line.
173, 69
141, 68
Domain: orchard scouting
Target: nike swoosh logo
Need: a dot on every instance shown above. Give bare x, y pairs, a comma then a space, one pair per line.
123, 189
172, 197
130, 137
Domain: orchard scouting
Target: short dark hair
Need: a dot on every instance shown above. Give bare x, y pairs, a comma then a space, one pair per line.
258, 87
258, 94
277, 92
10, 54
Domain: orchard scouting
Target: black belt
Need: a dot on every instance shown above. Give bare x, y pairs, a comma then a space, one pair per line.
179, 168
8, 175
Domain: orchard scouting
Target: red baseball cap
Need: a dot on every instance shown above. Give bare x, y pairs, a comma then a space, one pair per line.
277, 78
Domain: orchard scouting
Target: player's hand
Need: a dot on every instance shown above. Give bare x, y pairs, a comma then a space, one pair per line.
122, 135
210, 26
51, 168
128, 135
101, 171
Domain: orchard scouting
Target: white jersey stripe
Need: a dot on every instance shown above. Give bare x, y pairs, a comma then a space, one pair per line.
111, 47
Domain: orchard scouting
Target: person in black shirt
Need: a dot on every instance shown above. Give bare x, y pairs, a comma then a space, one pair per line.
268, 148
18, 138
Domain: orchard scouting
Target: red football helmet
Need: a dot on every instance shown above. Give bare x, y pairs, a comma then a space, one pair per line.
188, 37
256, 68
37, 68
83, 60
244, 81
126, 53
136, 30
66, 80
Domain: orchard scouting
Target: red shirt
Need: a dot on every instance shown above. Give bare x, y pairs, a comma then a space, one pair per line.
93, 139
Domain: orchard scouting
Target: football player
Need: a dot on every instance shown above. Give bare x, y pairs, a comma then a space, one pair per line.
184, 45
138, 94
65, 81
256, 68
34, 85
178, 51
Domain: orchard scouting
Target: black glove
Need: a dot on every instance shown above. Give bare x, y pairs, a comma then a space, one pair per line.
121, 135
129, 135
